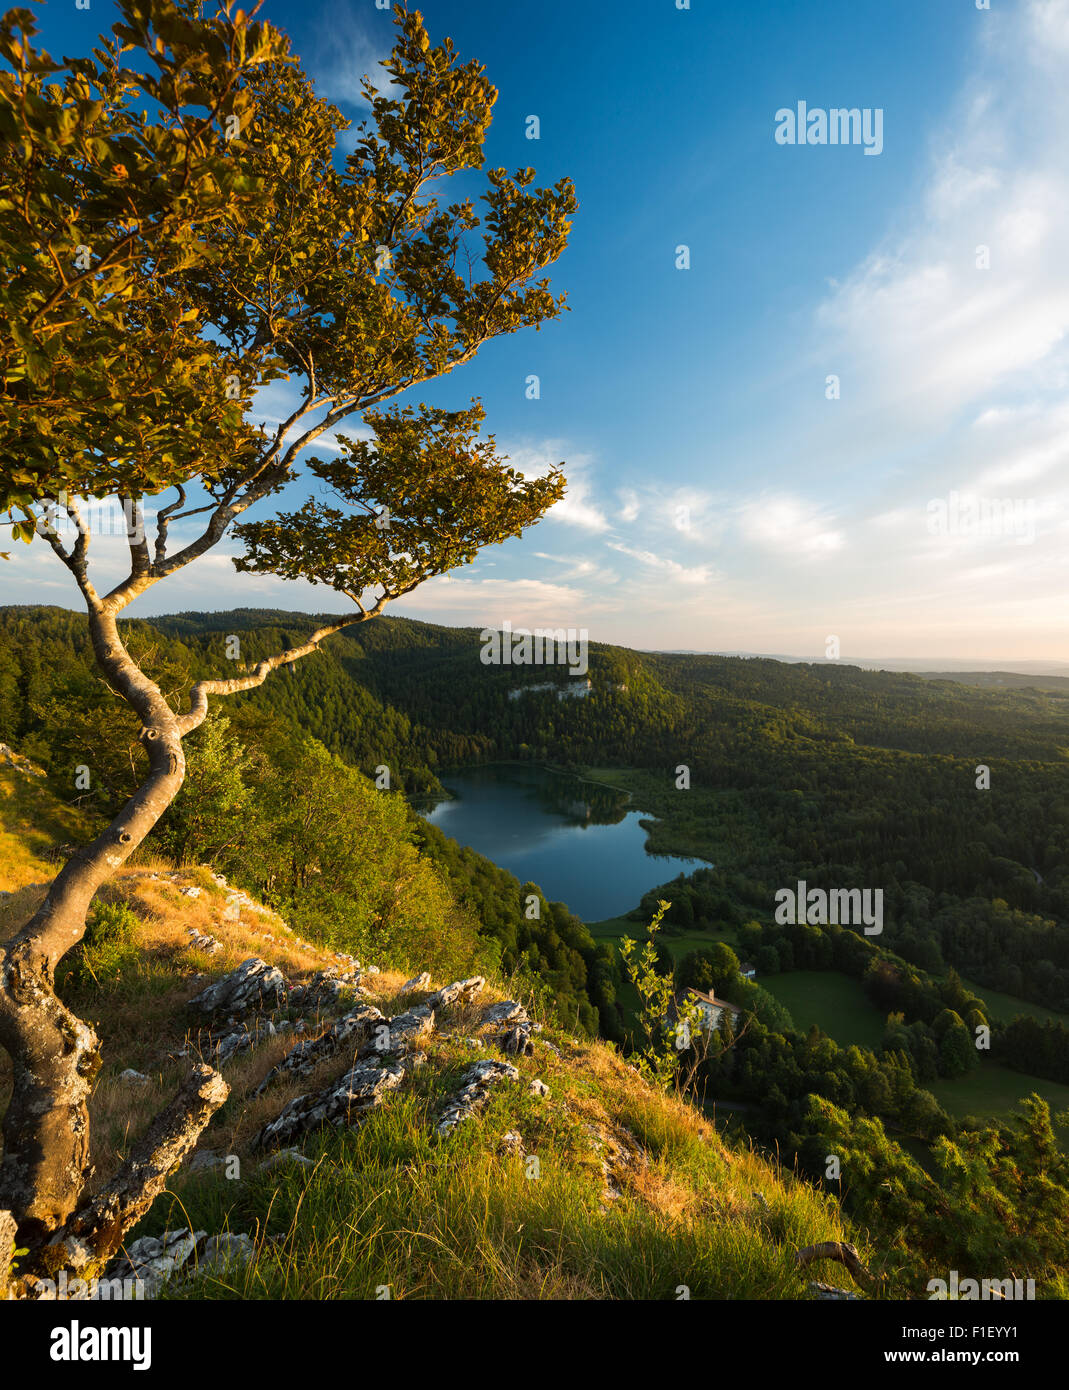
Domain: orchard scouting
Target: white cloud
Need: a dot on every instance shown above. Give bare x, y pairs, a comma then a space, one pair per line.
681, 574
924, 330
577, 507
487, 602
789, 526
346, 52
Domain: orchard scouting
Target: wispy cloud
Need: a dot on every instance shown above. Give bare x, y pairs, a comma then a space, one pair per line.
577, 507
348, 48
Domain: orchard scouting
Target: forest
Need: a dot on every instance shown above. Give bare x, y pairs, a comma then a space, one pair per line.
832, 774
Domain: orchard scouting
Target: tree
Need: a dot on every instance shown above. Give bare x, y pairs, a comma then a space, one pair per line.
665, 1038
713, 968
208, 816
159, 267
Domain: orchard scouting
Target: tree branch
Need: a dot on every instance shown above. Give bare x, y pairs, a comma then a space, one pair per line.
163, 517
98, 1228
198, 706
837, 1250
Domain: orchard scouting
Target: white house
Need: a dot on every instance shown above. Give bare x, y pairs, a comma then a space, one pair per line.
712, 1007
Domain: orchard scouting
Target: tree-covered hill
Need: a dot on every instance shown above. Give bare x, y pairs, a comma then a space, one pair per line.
834, 775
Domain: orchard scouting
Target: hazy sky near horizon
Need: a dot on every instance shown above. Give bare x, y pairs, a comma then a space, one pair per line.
724, 492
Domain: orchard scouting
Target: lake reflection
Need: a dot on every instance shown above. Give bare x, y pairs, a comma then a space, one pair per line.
576, 839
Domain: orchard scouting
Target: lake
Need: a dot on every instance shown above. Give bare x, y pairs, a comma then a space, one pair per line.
578, 840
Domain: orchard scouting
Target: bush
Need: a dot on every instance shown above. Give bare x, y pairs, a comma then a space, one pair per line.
109, 945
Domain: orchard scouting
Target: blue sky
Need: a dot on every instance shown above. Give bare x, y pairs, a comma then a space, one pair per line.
719, 499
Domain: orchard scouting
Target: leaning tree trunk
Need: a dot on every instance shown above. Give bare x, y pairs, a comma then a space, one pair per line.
55, 1055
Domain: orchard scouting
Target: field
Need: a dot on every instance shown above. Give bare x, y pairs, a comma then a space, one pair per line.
837, 1004
992, 1089
1005, 1008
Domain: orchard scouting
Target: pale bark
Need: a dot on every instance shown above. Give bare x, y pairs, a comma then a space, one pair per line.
837, 1250
96, 1230
55, 1056
7, 1249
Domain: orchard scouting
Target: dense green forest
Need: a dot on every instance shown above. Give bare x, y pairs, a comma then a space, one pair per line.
830, 774
268, 802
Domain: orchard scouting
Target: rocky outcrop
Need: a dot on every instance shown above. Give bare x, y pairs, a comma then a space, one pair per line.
286, 1158
386, 1051
202, 942
459, 992
420, 981
620, 1155
511, 1145
154, 1261
405, 1029
254, 984
508, 1024
343, 1102
475, 1087
326, 989
206, 1161
354, 1029
223, 1048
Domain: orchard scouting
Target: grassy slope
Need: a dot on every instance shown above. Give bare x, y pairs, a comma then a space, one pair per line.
992, 1089
833, 1001
390, 1203
32, 823
1005, 1007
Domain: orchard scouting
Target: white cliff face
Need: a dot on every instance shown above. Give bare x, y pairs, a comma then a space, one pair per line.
575, 689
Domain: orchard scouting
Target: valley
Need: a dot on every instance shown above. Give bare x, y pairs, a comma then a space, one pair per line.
534, 835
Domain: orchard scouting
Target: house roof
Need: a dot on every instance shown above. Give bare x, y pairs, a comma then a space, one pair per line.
710, 998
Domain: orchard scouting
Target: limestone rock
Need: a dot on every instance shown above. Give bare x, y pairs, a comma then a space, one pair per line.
154, 1260
134, 1078
239, 1039
511, 1143
354, 1028
205, 1161
286, 1158
475, 1086
539, 1088
621, 1156
226, 1250
343, 1102
325, 989
407, 1028
253, 984
460, 991
511, 1027
504, 1012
